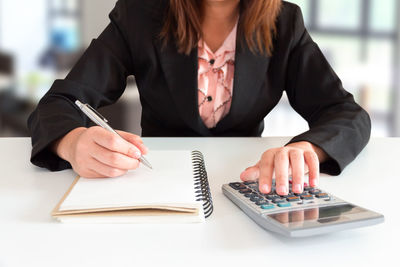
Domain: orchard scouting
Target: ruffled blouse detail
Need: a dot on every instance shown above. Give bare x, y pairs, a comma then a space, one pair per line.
215, 79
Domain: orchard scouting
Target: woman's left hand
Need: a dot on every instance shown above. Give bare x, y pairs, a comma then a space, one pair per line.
294, 159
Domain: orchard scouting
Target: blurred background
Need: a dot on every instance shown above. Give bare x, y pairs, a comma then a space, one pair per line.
41, 40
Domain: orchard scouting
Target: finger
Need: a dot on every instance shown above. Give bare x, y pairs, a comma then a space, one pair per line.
266, 168
312, 162
251, 173
135, 140
113, 159
296, 160
114, 142
141, 147
105, 170
281, 165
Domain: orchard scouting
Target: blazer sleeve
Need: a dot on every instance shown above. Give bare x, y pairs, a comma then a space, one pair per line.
338, 125
98, 78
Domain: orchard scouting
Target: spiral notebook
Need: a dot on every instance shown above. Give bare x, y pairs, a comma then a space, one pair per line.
176, 190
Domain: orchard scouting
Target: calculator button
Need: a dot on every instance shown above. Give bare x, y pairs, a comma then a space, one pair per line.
292, 199
314, 191
262, 202
253, 186
237, 186
248, 194
249, 182
322, 195
278, 200
284, 205
272, 197
244, 191
255, 199
307, 196
267, 207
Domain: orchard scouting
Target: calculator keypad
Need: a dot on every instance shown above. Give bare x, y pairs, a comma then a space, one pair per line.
272, 201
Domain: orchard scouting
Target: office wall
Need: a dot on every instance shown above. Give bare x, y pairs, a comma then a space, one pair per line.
94, 18
396, 73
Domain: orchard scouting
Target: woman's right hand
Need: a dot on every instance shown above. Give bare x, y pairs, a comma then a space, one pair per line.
95, 152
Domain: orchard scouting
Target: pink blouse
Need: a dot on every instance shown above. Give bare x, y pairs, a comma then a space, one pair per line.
215, 80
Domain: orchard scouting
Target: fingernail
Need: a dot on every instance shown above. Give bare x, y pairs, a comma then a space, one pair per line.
134, 154
282, 190
297, 188
265, 188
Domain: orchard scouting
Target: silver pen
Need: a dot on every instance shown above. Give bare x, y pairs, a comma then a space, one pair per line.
101, 121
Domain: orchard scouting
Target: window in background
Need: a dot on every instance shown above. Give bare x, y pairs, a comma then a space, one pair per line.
64, 46
64, 22
305, 9
383, 15
360, 40
43, 39
339, 14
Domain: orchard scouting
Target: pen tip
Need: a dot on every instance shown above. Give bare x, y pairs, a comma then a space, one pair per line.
146, 163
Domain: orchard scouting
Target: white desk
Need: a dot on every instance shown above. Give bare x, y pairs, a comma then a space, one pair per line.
30, 237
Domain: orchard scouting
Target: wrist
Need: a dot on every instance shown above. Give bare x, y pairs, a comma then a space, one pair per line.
62, 147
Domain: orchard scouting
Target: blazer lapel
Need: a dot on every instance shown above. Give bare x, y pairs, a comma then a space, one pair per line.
250, 73
181, 75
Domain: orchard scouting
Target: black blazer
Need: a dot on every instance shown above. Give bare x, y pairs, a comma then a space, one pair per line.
167, 83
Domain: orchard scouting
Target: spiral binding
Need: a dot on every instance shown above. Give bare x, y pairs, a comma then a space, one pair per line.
201, 186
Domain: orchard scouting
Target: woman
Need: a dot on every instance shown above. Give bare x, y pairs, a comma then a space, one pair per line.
203, 68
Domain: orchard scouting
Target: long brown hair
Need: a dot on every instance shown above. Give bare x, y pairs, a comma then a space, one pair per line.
257, 24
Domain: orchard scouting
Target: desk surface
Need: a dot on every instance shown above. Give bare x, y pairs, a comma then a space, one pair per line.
30, 237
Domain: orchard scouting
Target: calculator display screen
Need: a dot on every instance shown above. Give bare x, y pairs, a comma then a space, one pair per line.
316, 216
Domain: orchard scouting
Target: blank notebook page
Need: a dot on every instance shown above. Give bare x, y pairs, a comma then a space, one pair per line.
170, 183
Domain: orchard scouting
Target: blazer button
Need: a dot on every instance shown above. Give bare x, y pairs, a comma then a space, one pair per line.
209, 98
212, 61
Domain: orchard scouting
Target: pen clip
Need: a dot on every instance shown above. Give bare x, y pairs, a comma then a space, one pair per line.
95, 111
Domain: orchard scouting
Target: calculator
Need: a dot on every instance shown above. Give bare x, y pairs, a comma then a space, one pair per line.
312, 212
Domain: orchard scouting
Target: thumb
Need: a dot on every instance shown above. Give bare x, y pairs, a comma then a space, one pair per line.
251, 173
